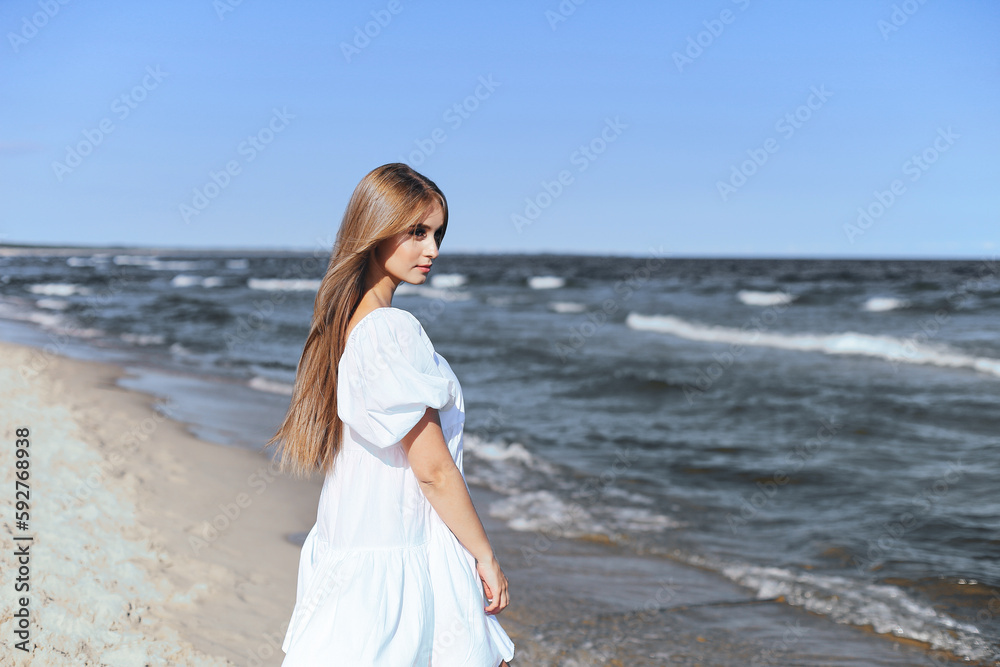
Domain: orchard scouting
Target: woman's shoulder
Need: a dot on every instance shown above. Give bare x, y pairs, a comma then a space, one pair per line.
386, 316
388, 325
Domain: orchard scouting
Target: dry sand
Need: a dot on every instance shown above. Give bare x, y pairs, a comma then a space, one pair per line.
150, 546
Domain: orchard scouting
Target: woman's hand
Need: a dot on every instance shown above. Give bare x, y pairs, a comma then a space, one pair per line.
494, 585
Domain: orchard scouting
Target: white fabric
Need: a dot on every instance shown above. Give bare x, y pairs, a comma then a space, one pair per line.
383, 582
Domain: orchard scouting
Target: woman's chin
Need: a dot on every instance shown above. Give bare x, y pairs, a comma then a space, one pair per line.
419, 279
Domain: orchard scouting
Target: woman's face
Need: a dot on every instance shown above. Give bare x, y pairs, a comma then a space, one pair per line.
413, 249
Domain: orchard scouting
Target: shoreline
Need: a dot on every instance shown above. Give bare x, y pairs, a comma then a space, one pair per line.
202, 529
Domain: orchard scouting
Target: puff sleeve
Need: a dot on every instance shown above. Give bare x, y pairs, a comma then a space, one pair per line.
388, 376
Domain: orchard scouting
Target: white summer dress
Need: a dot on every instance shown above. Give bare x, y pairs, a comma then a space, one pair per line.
382, 581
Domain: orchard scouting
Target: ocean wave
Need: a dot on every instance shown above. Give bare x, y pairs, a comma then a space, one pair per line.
492, 451
142, 339
752, 298
93, 260
58, 289
546, 282
880, 304
157, 264
283, 285
52, 304
270, 386
427, 292
237, 263
542, 496
891, 349
179, 350
546, 512
886, 608
185, 280
50, 321
567, 307
448, 280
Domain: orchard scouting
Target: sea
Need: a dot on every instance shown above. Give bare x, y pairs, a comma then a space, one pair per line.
821, 431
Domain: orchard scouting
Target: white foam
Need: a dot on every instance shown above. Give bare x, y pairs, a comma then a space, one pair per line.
270, 386
237, 263
176, 265
546, 282
888, 609
133, 260
185, 280
180, 351
493, 451
142, 339
58, 289
156, 264
544, 511
93, 260
283, 285
880, 304
448, 280
752, 298
428, 292
567, 307
182, 280
47, 320
52, 304
77, 332
891, 349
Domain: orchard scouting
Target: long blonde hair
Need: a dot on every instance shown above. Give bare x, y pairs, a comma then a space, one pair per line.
387, 201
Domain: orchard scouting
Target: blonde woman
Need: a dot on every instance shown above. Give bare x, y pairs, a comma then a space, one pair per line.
397, 570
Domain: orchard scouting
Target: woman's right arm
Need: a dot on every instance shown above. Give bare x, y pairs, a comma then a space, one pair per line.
444, 487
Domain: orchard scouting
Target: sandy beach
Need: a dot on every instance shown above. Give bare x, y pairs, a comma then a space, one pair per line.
150, 546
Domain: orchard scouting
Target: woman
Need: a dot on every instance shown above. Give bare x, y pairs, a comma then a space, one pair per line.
394, 570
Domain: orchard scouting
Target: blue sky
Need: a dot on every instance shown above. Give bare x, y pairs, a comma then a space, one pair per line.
735, 128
